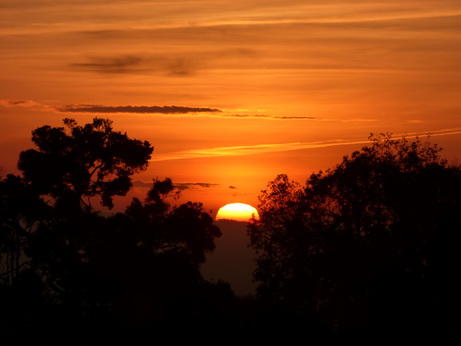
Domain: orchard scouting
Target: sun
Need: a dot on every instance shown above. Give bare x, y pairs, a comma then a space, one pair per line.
237, 212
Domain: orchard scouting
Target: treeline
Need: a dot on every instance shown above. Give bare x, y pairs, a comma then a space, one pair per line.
369, 247
364, 252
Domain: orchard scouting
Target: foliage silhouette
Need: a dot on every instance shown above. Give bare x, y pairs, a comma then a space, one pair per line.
21, 213
62, 259
83, 161
368, 247
162, 248
366, 243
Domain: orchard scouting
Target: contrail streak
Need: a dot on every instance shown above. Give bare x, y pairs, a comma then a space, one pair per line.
278, 147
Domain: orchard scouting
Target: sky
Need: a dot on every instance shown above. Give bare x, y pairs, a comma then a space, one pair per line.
232, 93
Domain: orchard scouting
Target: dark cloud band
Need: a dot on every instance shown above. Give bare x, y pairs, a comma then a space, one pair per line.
180, 186
267, 116
89, 108
185, 186
134, 109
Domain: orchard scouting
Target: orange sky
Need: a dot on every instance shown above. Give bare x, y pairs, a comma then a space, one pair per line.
267, 87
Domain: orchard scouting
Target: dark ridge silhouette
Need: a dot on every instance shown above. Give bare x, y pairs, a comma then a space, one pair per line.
365, 252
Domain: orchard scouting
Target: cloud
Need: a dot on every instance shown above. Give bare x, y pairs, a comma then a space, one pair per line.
186, 186
206, 111
134, 109
292, 117
19, 103
120, 64
167, 64
180, 62
280, 147
179, 186
251, 149
266, 116
26, 104
90, 108
140, 183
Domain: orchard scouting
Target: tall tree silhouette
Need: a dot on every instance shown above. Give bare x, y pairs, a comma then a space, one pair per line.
368, 241
57, 250
69, 167
83, 161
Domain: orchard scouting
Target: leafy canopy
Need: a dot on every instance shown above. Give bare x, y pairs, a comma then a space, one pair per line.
138, 266
385, 216
81, 162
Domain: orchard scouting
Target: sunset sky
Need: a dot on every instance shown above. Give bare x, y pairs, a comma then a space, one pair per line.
232, 93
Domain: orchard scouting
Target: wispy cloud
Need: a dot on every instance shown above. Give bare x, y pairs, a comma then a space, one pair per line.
163, 110
186, 186
167, 64
98, 109
25, 104
175, 13
180, 186
177, 63
279, 147
118, 64
205, 111
18, 103
133, 109
140, 183
267, 116
250, 149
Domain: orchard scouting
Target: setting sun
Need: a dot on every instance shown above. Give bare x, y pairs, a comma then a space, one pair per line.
236, 212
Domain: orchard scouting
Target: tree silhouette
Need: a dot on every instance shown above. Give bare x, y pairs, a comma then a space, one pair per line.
369, 241
48, 222
81, 162
21, 213
61, 258
165, 246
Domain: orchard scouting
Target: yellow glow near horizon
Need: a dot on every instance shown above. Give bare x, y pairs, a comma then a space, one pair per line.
236, 212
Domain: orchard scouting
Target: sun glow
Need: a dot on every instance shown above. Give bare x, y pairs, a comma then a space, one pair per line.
237, 212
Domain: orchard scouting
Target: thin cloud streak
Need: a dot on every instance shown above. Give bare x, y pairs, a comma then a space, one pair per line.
186, 186
119, 64
30, 104
250, 149
134, 109
270, 148
18, 103
335, 20
87, 16
180, 186
163, 110
267, 116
